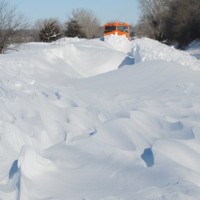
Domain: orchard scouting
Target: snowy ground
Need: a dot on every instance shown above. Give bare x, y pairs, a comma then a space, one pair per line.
100, 120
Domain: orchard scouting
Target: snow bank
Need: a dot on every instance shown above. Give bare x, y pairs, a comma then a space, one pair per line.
75, 124
120, 43
193, 49
87, 59
75, 57
146, 49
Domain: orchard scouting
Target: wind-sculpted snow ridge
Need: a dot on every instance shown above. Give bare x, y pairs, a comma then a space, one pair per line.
80, 56
146, 49
127, 133
77, 58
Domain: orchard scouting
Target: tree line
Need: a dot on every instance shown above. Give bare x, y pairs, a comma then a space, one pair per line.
170, 21
83, 24
14, 28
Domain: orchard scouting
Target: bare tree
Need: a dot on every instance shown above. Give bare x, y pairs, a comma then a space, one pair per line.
182, 23
152, 19
89, 23
170, 20
10, 24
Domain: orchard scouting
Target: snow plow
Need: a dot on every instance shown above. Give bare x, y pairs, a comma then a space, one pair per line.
117, 28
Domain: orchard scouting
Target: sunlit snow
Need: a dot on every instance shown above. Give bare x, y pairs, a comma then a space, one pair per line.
108, 119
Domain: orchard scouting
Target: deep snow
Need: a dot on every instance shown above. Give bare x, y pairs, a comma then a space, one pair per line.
100, 120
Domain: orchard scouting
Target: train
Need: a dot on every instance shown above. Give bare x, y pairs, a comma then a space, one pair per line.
117, 28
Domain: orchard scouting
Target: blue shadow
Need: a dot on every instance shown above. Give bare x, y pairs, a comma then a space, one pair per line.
148, 157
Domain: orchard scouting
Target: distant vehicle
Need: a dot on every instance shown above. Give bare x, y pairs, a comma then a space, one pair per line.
117, 28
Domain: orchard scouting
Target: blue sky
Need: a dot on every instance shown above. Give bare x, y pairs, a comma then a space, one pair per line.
105, 10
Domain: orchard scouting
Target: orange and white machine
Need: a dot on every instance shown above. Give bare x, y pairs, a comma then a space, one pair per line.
117, 28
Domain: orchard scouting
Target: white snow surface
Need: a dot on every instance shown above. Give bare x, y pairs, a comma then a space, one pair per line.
146, 49
100, 120
193, 48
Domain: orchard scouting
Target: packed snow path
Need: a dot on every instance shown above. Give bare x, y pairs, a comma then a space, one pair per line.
80, 121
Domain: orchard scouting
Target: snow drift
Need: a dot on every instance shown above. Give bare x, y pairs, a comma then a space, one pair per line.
79, 121
146, 49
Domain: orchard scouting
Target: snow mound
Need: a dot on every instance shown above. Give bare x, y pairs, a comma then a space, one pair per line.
32, 164
146, 49
73, 57
74, 125
120, 43
87, 59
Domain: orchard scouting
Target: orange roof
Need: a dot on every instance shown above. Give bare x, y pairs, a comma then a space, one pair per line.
116, 24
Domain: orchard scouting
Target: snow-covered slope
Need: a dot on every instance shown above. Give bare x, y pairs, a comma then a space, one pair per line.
146, 49
79, 120
193, 49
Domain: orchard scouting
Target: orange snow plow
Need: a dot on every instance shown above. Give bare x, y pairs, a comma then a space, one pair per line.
116, 28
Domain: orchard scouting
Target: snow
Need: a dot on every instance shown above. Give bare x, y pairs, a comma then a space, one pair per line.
100, 120
146, 49
193, 49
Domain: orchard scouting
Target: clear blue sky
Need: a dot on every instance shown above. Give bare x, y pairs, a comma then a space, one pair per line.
105, 10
